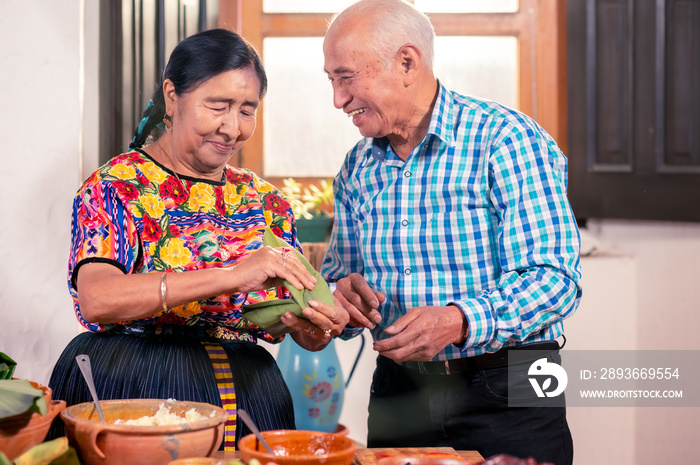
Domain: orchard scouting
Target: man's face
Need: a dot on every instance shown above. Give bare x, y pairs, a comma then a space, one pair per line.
363, 87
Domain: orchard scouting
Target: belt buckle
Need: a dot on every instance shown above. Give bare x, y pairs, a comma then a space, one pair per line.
422, 369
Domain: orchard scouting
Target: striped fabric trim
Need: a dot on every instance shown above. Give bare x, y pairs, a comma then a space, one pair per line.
224, 382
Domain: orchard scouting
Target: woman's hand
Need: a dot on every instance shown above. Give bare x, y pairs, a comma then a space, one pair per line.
267, 267
320, 323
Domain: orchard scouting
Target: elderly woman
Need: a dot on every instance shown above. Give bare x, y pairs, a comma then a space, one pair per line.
167, 248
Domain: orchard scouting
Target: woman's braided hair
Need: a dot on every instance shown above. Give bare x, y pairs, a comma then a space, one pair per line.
193, 61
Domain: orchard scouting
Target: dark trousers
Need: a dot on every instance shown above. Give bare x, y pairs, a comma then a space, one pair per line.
466, 411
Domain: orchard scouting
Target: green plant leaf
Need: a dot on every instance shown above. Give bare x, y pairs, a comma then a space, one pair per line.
4, 460
19, 396
7, 366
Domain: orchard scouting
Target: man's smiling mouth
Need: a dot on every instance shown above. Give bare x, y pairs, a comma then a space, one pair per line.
356, 112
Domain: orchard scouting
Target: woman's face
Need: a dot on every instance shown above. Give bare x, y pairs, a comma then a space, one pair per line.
213, 121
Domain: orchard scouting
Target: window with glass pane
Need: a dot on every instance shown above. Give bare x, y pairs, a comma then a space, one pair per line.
305, 135
485, 67
305, 6
467, 6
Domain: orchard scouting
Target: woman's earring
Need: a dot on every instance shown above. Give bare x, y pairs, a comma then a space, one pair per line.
168, 121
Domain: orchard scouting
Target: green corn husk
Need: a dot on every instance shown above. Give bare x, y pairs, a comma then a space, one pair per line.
55, 452
266, 315
18, 396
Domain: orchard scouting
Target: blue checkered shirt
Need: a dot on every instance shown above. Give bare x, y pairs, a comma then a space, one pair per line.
477, 217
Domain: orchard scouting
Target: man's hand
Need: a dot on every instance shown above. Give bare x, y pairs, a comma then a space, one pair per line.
423, 332
359, 300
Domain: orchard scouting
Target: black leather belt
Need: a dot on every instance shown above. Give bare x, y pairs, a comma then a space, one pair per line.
503, 357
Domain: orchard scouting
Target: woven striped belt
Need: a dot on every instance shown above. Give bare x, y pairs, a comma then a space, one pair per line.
224, 382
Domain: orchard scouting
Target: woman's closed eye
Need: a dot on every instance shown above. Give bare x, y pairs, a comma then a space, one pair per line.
217, 108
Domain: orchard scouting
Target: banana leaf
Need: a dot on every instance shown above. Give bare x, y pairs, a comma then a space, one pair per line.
19, 396
7, 366
266, 315
320, 292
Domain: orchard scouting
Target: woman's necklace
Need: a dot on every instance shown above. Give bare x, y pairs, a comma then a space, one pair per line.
225, 255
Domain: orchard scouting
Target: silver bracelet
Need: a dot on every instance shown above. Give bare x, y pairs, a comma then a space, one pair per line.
163, 290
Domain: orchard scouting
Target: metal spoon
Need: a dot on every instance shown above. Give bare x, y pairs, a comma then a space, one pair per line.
249, 423
86, 369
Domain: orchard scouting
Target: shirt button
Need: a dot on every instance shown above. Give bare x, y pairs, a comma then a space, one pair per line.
404, 222
407, 174
407, 271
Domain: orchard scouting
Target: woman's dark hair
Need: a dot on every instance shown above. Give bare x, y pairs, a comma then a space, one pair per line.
193, 61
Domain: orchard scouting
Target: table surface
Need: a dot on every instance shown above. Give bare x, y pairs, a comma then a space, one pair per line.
365, 456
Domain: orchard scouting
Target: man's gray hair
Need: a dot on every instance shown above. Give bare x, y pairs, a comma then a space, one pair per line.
395, 23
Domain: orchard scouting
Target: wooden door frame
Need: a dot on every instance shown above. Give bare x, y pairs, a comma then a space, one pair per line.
539, 26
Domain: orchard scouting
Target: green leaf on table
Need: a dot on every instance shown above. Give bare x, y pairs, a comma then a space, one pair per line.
7, 366
19, 396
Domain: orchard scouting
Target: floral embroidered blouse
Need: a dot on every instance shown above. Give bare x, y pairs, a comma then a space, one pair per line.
137, 215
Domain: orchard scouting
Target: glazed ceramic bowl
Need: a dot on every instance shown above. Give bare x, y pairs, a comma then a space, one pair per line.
294, 447
116, 444
21, 432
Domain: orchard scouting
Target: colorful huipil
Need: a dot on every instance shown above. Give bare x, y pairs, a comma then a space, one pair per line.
136, 214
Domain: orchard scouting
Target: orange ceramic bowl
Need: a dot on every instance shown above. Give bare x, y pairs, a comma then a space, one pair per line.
295, 447
114, 444
21, 432
199, 461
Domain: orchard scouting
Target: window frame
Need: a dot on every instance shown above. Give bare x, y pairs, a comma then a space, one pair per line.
538, 25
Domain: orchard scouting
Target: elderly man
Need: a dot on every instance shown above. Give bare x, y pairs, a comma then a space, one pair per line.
453, 243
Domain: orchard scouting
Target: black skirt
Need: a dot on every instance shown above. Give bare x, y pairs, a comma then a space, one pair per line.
126, 366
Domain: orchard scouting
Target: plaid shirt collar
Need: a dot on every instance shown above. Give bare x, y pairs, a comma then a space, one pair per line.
441, 123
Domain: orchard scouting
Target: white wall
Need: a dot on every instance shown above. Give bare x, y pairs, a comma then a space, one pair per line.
641, 290
40, 131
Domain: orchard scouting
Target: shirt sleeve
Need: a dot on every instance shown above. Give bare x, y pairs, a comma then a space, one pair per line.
344, 255
538, 243
101, 231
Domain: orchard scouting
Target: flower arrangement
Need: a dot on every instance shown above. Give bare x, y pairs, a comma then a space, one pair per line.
312, 207
310, 201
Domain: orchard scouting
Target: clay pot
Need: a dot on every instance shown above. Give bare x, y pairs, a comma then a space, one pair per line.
299, 448
21, 432
342, 430
108, 443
